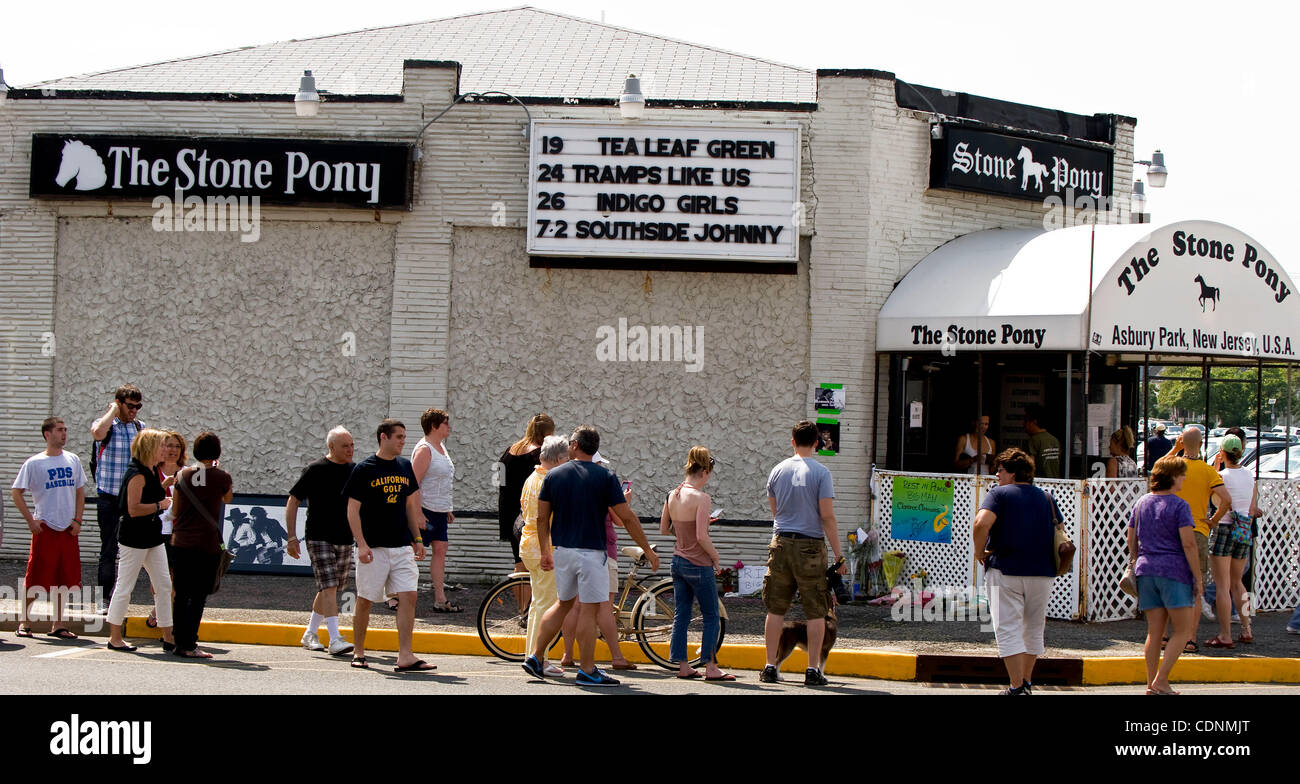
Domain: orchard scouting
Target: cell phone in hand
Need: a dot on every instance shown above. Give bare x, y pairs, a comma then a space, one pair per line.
715, 514
626, 486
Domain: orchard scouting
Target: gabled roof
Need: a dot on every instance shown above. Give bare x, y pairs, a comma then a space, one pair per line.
525, 51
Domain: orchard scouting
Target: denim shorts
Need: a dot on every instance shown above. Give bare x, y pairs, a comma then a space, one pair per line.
1155, 593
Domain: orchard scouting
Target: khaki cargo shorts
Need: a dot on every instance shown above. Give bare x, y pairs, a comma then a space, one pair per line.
796, 564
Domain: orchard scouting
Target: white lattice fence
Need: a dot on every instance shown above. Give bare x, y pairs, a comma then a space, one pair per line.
954, 564
1277, 547
945, 564
1110, 505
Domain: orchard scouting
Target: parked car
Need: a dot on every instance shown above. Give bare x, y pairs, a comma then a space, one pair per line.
1284, 463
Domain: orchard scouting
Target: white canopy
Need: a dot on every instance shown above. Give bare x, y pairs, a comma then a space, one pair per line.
1028, 290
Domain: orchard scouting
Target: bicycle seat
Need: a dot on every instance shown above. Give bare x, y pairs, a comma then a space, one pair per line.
636, 553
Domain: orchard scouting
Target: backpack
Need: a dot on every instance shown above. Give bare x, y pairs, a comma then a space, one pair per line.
97, 447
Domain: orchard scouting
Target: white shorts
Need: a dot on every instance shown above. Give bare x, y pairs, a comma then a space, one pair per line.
391, 571
1019, 609
581, 573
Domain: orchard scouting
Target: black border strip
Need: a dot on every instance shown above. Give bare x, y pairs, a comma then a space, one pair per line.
664, 265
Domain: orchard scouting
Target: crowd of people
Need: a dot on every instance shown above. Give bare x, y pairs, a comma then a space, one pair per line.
561, 503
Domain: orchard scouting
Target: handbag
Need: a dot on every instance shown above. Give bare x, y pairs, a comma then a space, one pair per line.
1063, 550
1241, 528
1129, 583
226, 559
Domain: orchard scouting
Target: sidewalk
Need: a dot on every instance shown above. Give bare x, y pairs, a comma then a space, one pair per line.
275, 609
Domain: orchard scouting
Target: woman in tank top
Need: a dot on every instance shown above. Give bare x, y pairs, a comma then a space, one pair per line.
1119, 464
975, 450
695, 564
1230, 544
433, 467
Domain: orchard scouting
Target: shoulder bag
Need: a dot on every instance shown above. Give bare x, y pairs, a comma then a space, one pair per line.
226, 556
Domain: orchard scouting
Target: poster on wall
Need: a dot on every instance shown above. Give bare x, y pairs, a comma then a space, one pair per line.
253, 530
722, 192
829, 399
922, 509
828, 440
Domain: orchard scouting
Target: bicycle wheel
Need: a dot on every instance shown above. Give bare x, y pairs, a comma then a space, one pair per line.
502, 623
652, 624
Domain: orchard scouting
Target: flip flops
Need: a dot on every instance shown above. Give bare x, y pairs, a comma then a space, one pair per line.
152, 620
694, 674
627, 665
62, 634
419, 665
24, 633
1246, 638
1216, 642
359, 662
726, 676
1157, 692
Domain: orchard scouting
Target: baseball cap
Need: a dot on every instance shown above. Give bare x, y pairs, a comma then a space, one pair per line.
1230, 444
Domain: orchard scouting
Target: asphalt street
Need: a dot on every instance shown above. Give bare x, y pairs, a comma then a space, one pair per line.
42, 667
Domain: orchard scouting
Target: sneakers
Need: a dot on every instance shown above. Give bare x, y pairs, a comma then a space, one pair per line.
534, 668
339, 647
554, 670
596, 678
311, 642
1015, 692
813, 677
1029, 687
769, 675
1207, 613
1292, 630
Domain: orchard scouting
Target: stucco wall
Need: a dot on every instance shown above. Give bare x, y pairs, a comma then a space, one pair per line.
524, 340
260, 324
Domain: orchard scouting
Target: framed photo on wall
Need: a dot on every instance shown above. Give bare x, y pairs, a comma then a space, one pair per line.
253, 529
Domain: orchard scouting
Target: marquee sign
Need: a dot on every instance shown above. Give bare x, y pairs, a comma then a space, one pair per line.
664, 191
1200, 288
967, 159
278, 171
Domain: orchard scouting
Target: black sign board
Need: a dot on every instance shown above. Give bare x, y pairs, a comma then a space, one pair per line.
278, 171
967, 159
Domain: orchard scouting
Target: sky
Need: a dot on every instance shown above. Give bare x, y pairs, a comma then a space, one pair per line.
1210, 83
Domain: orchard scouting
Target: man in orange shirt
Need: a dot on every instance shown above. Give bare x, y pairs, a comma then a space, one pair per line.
1202, 482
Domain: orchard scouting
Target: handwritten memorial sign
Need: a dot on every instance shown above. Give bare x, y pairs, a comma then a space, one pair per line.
922, 509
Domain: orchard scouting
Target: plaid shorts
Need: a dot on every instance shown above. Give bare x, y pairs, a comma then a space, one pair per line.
330, 563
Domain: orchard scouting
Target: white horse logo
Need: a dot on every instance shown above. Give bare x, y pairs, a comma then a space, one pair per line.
84, 163
1030, 169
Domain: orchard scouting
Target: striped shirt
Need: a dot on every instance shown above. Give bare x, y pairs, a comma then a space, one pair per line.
111, 464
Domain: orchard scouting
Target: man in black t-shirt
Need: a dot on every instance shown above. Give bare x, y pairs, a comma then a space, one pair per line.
384, 516
329, 540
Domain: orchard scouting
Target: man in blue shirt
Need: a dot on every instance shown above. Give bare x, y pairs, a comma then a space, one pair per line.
803, 511
113, 434
571, 508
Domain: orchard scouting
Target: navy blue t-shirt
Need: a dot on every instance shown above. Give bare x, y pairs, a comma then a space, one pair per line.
580, 494
382, 487
1021, 537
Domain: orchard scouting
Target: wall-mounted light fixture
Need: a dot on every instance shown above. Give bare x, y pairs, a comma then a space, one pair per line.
1156, 171
307, 101
1138, 203
631, 104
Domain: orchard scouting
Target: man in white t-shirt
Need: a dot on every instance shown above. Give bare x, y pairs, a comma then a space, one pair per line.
58, 487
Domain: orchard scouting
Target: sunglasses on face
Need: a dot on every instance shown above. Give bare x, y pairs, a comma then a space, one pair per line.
134, 406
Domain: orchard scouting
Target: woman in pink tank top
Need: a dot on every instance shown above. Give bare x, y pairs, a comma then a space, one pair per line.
695, 562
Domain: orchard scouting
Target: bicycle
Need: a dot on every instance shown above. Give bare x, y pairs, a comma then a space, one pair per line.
501, 622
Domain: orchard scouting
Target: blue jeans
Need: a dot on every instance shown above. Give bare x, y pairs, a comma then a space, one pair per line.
693, 583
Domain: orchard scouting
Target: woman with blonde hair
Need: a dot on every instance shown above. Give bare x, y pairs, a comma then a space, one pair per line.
141, 500
1121, 463
173, 460
695, 564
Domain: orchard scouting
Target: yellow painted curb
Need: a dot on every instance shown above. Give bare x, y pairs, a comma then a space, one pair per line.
864, 664
1192, 669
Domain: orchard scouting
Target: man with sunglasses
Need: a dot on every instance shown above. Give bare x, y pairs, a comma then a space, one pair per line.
113, 433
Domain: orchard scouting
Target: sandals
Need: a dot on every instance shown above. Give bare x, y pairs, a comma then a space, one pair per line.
1157, 692
359, 662
152, 620
24, 632
693, 674
626, 665
1216, 642
62, 634
1246, 638
419, 665
1190, 647
447, 607
726, 676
